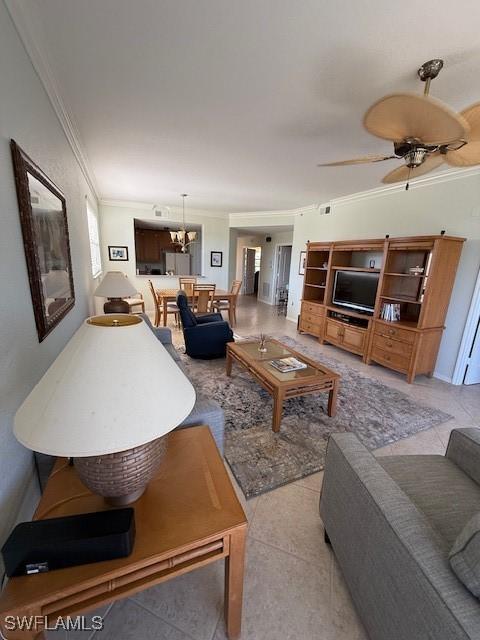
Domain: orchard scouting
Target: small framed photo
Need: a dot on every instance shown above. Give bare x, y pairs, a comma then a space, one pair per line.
301, 265
118, 254
216, 258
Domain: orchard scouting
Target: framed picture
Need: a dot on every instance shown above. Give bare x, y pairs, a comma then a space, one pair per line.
43, 218
216, 258
118, 254
301, 266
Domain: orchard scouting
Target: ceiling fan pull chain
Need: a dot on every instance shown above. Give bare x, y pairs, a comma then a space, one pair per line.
407, 186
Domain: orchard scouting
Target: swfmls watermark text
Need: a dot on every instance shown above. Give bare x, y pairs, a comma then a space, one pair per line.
47, 623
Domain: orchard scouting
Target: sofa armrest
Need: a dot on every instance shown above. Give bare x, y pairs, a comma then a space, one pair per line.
164, 334
464, 451
209, 317
395, 564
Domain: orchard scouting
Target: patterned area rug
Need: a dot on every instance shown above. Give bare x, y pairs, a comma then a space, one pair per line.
262, 460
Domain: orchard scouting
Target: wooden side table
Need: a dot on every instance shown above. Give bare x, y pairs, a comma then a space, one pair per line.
188, 517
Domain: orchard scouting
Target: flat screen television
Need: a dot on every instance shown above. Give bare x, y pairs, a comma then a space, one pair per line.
356, 290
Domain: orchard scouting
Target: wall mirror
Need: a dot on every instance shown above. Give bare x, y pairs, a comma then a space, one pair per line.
43, 217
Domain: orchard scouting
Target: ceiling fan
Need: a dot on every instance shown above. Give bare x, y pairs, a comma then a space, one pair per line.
425, 131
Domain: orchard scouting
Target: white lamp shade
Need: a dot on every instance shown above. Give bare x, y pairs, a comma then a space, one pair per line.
110, 389
115, 285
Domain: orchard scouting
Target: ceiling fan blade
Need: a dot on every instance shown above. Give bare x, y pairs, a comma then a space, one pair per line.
403, 173
361, 160
469, 154
408, 115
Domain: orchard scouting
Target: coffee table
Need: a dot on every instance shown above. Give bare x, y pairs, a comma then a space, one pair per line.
315, 378
188, 517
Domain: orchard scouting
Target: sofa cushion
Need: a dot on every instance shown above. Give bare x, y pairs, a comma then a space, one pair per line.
465, 555
438, 488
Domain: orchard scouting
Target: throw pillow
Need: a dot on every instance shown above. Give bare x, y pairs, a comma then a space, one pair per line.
465, 555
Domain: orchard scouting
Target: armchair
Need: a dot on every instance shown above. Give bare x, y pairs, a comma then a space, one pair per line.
205, 336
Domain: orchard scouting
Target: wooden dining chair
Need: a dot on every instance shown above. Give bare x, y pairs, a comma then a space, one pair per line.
186, 283
156, 304
230, 305
136, 301
203, 297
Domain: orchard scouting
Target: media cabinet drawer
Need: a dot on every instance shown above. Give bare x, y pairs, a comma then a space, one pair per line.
313, 309
393, 360
404, 335
312, 329
312, 319
392, 346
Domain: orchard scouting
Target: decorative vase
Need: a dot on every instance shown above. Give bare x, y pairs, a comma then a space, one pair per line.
262, 347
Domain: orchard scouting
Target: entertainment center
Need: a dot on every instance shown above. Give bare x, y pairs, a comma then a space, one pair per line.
406, 278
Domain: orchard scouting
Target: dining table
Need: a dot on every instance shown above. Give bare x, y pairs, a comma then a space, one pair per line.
170, 295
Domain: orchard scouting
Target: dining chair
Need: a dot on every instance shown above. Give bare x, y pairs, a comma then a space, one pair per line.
186, 283
230, 305
203, 297
156, 304
136, 301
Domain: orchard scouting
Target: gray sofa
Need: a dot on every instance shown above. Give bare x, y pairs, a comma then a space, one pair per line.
392, 522
205, 411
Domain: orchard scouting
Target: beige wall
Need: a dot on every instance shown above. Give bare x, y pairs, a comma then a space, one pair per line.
117, 229
28, 117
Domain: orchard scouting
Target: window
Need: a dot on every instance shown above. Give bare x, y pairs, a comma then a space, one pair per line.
94, 236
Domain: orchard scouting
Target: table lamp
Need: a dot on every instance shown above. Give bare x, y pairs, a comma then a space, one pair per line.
115, 286
108, 401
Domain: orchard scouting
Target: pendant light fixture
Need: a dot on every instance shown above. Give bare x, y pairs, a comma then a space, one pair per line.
183, 237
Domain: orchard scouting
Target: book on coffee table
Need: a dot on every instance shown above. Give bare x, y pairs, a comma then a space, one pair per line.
285, 365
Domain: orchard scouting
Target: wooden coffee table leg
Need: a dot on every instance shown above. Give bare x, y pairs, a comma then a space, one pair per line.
332, 400
234, 569
277, 411
229, 364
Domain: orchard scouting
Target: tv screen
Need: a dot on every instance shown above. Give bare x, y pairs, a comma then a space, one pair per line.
355, 289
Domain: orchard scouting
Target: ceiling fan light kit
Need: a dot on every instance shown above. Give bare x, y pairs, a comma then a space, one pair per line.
425, 131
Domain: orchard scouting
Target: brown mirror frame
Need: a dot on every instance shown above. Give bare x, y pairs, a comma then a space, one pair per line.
23, 166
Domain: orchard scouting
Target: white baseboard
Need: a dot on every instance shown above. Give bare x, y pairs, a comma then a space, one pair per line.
269, 302
439, 376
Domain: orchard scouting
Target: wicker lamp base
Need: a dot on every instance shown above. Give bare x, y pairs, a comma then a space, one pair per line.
122, 477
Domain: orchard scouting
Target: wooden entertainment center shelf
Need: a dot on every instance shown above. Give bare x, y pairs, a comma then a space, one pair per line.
408, 345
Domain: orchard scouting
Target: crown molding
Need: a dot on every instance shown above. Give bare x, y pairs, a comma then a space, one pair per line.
150, 207
280, 214
39, 61
418, 183
128, 204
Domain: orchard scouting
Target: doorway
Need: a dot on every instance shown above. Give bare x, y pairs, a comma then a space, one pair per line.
252, 257
467, 368
283, 260
472, 374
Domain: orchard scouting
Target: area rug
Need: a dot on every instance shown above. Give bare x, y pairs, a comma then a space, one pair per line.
262, 460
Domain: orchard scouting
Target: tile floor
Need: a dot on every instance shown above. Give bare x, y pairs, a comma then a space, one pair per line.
294, 589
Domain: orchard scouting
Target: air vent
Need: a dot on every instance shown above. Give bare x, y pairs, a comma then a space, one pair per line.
162, 212
323, 211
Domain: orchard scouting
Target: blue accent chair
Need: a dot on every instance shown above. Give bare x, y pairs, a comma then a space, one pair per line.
205, 335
